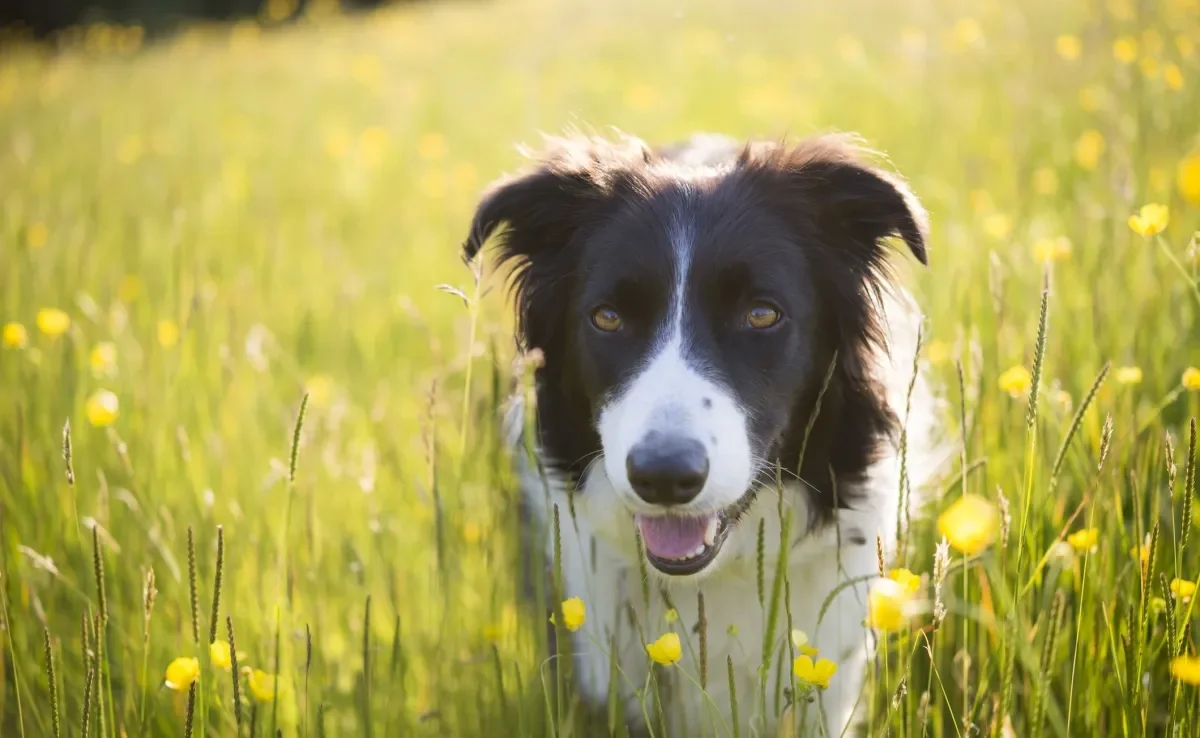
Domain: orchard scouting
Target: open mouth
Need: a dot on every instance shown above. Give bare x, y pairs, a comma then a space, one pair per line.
682, 545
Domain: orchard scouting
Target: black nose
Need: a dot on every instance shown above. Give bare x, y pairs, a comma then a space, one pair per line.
667, 470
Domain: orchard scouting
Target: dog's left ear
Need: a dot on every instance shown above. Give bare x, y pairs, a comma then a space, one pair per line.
847, 196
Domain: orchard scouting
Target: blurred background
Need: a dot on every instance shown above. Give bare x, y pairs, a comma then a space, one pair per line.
212, 209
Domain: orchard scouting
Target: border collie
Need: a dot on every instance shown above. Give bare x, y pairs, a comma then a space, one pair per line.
714, 318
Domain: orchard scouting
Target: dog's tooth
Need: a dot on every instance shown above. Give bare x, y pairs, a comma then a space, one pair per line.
710, 533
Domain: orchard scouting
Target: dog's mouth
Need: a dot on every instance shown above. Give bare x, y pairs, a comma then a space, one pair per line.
682, 545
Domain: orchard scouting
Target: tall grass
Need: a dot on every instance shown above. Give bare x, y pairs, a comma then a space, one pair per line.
246, 225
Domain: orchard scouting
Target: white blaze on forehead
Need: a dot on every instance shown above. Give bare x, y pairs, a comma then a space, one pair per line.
670, 397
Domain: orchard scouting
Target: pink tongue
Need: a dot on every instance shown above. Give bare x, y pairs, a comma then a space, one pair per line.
671, 537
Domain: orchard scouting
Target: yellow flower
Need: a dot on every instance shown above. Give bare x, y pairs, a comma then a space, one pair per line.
1125, 49
1151, 219
1045, 181
998, 226
1089, 147
887, 605
1157, 605
970, 524
671, 615
130, 288
938, 352
168, 333
1182, 589
182, 672
15, 335
574, 614
1052, 249
1186, 669
53, 322
472, 532
431, 146
507, 624
262, 685
1191, 379
817, 674
1128, 375
1084, 540
906, 579
220, 655
103, 358
1187, 178
1142, 552
320, 389
666, 650
37, 235
1173, 77
1068, 46
1015, 381
801, 643
102, 408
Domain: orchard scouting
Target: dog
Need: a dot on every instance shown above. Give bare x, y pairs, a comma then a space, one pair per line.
724, 347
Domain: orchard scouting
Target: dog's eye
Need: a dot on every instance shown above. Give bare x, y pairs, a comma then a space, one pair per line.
606, 319
762, 316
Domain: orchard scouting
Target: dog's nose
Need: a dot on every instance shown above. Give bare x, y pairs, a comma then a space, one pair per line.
667, 470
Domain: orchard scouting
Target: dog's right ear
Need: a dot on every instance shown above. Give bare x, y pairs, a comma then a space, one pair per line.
542, 210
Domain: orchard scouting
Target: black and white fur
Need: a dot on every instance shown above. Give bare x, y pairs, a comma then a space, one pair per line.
680, 243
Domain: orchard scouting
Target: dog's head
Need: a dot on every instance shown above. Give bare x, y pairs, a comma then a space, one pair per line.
692, 306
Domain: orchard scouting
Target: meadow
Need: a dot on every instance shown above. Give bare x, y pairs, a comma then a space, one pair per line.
206, 236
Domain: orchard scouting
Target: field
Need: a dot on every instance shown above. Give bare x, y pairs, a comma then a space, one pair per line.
213, 225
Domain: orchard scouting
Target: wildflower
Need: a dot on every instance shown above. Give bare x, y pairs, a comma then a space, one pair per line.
998, 226
1045, 181
887, 604
906, 579
1015, 381
102, 408
320, 389
168, 333
1089, 147
1187, 178
641, 97
1191, 379
1062, 552
181, 673
130, 288
1173, 77
969, 524
103, 359
431, 146
938, 352
53, 322
220, 655
504, 626
1150, 220
967, 33
1141, 552
1183, 589
1052, 249
1128, 375
262, 685
37, 235
574, 614
666, 650
1085, 541
671, 615
1186, 669
817, 674
801, 643
1125, 49
1157, 605
732, 631
1068, 46
472, 532
15, 335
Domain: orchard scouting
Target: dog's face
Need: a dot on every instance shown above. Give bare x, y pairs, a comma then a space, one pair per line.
690, 315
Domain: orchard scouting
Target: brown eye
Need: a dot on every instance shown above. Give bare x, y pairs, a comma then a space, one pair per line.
606, 319
762, 316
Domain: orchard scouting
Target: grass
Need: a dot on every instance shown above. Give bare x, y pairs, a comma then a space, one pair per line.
238, 218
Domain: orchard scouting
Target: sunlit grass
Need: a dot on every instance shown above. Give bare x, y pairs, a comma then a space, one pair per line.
200, 231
